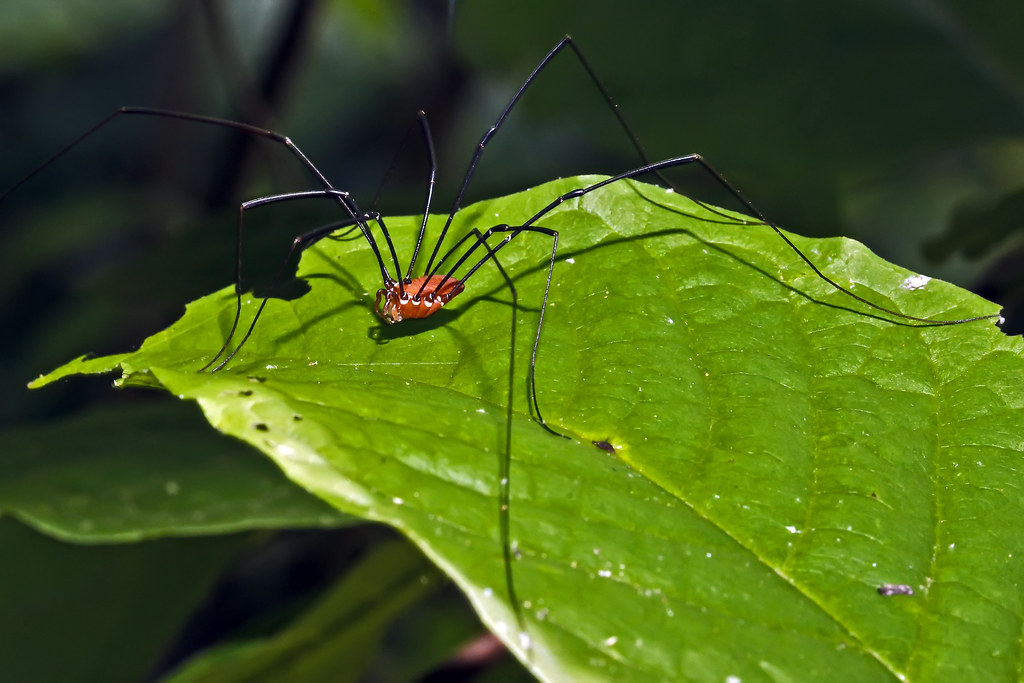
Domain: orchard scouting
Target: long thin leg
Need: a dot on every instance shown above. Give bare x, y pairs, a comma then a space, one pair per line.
699, 160
299, 243
355, 215
362, 219
553, 234
565, 42
647, 167
428, 140
343, 199
505, 460
529, 226
481, 241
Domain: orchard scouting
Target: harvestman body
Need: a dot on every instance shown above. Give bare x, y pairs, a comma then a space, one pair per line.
404, 297
394, 304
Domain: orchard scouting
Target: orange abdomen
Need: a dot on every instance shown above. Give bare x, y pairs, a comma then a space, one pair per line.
393, 307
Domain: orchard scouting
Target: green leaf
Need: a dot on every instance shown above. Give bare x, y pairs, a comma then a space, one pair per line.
782, 451
141, 472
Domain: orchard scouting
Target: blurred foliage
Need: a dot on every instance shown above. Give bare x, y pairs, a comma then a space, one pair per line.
881, 121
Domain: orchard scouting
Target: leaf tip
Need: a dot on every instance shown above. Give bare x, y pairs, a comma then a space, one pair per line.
83, 365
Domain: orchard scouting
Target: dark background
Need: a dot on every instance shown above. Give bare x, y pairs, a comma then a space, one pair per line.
899, 123
882, 121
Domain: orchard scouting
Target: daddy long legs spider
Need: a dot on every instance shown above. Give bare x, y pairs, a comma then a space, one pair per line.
449, 270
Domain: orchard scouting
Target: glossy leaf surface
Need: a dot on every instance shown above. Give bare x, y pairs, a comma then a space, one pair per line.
781, 451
